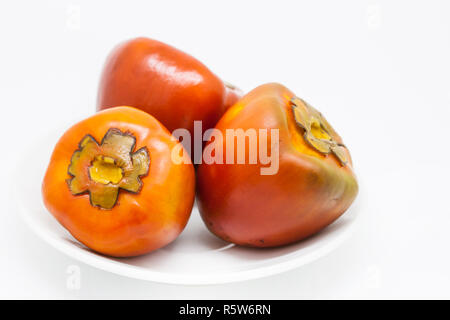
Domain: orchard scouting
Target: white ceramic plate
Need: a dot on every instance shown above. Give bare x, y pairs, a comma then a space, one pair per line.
196, 257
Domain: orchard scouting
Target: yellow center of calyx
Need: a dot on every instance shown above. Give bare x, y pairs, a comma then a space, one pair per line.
318, 131
104, 170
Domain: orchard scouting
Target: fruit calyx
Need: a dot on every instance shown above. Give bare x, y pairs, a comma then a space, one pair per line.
102, 170
317, 131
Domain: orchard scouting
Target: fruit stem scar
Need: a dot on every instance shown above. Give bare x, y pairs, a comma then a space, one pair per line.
105, 170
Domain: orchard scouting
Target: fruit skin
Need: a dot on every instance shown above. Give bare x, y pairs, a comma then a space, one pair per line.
167, 83
309, 192
138, 223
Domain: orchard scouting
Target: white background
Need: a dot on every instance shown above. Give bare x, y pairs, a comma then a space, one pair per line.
379, 71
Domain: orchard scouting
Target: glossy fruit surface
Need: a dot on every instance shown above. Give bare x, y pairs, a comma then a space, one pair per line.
313, 186
112, 184
165, 82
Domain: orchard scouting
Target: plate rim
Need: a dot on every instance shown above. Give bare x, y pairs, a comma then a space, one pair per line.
140, 273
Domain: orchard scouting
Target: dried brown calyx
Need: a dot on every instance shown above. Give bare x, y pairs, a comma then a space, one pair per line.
318, 132
102, 170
